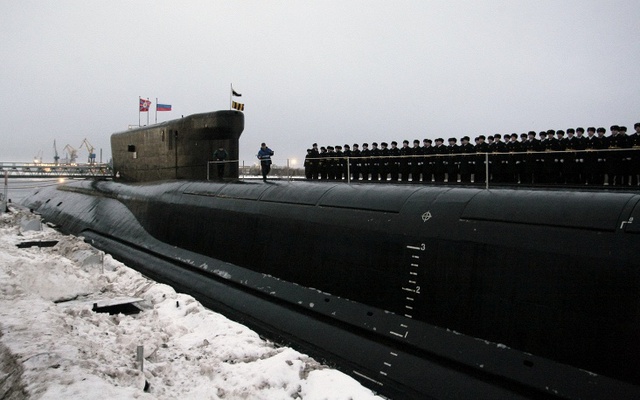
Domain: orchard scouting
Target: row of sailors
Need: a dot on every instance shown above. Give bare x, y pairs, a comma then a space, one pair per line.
553, 158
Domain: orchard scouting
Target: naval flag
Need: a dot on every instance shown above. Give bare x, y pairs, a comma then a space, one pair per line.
234, 93
237, 106
163, 107
144, 105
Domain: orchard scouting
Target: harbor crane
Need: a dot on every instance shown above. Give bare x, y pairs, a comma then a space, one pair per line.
72, 154
56, 157
90, 148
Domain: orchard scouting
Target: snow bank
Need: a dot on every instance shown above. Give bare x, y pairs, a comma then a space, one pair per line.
53, 346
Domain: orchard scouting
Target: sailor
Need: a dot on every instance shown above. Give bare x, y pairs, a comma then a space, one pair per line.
428, 161
635, 155
416, 161
530, 146
467, 161
356, 162
590, 171
365, 165
264, 155
339, 163
331, 163
384, 161
614, 156
603, 163
580, 147
323, 163
375, 162
308, 160
549, 146
498, 160
393, 160
220, 156
514, 159
315, 161
453, 161
405, 160
481, 148
439, 157
346, 162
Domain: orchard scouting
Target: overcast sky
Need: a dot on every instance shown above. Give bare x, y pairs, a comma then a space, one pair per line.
331, 72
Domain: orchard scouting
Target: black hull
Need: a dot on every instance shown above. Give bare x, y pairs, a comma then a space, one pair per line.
392, 284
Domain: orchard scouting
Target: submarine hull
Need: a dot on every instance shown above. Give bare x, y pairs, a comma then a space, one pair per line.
417, 292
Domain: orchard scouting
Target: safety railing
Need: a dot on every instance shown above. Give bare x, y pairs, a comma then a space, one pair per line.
613, 166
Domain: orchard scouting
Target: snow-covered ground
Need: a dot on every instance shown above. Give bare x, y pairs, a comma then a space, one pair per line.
53, 346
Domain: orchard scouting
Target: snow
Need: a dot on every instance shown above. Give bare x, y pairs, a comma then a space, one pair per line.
53, 346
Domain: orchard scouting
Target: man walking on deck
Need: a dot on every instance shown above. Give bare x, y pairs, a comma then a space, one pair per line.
264, 155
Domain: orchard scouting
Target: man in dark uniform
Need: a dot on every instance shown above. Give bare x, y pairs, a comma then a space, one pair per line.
365, 165
481, 148
499, 160
323, 164
452, 161
551, 159
571, 159
540, 176
384, 161
512, 173
346, 162
375, 162
603, 154
614, 157
560, 167
467, 161
308, 164
339, 162
581, 146
439, 167
314, 161
635, 155
331, 163
530, 146
405, 161
416, 161
356, 162
625, 157
591, 144
428, 162
394, 168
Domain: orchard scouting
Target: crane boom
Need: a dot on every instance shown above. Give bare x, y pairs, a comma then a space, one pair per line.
90, 148
56, 157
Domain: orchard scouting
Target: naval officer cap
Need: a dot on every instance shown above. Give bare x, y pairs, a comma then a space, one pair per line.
601, 129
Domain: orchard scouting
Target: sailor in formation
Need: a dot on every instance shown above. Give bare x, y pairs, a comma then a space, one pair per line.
572, 157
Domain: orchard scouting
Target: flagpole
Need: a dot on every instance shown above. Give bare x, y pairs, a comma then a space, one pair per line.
148, 113
139, 100
156, 110
230, 94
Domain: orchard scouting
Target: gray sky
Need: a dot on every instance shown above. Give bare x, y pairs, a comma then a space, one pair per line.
331, 72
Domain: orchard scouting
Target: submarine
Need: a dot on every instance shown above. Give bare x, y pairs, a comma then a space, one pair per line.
418, 292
